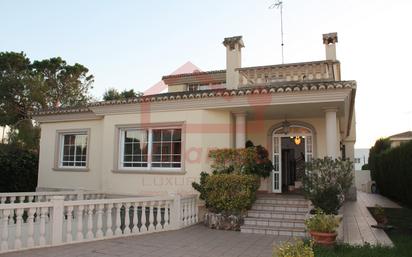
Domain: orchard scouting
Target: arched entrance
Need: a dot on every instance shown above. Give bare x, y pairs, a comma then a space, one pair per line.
292, 145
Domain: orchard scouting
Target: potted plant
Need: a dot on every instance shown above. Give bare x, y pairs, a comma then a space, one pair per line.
322, 228
379, 214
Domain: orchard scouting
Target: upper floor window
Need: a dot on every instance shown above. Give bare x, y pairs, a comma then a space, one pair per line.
150, 148
73, 150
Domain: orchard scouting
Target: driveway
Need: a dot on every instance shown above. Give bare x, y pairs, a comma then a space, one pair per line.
195, 241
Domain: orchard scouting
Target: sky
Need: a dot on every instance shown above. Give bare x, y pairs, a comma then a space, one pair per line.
132, 44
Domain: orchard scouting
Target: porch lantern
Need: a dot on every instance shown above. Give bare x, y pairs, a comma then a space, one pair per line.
297, 140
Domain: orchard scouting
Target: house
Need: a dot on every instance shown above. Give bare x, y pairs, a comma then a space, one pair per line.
361, 157
158, 144
398, 139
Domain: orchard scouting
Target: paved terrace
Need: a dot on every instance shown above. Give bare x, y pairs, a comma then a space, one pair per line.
357, 220
194, 241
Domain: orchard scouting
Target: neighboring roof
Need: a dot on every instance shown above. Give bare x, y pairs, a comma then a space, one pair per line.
272, 88
406, 134
215, 76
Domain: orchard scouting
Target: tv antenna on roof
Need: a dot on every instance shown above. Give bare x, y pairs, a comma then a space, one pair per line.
279, 5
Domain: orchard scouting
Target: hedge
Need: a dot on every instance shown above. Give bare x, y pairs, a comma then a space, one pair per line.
392, 171
228, 194
18, 169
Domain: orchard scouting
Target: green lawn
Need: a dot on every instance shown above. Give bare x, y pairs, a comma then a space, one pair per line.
401, 236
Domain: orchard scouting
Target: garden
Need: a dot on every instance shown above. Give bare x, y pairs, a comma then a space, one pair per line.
230, 190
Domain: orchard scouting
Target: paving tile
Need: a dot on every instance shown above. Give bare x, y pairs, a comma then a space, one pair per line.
195, 241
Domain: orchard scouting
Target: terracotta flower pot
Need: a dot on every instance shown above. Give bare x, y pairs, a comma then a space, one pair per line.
324, 238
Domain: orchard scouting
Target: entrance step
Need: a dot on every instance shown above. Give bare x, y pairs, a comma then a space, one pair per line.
300, 208
275, 223
281, 201
276, 215
280, 215
275, 231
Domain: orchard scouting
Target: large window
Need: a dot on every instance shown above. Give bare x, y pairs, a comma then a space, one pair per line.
73, 150
150, 148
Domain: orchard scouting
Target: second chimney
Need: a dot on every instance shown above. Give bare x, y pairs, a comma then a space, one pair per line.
330, 40
233, 60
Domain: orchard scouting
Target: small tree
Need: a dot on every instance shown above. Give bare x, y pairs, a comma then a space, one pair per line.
326, 181
113, 94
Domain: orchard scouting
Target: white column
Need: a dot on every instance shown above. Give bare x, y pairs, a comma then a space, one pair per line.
240, 130
331, 133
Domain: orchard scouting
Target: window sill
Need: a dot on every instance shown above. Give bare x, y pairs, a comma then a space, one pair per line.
72, 169
150, 172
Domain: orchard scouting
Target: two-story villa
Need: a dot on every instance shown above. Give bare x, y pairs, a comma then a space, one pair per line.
158, 144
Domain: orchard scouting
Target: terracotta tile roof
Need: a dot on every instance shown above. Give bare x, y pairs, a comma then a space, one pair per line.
406, 134
272, 88
206, 77
193, 74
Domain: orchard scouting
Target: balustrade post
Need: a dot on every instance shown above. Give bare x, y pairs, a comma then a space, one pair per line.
143, 228
127, 229
150, 228
5, 233
99, 231
109, 231
30, 224
57, 225
19, 220
175, 213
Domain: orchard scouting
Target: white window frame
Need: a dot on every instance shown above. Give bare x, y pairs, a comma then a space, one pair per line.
61, 150
149, 149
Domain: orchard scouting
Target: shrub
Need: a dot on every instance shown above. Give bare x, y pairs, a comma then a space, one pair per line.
296, 249
18, 169
228, 193
392, 171
251, 160
381, 145
365, 166
326, 182
321, 222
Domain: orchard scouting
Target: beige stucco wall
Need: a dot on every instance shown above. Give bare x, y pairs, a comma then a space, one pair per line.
204, 130
49, 178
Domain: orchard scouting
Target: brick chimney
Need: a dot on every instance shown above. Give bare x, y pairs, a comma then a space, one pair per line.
233, 60
330, 40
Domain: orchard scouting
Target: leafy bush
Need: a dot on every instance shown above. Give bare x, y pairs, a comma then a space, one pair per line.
251, 160
296, 249
326, 182
228, 193
321, 222
392, 171
18, 169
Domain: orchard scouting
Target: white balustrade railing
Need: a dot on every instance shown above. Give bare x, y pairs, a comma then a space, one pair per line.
28, 197
62, 221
